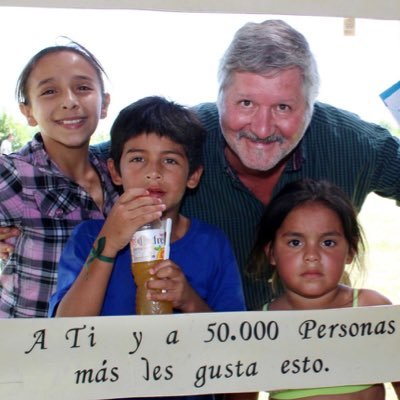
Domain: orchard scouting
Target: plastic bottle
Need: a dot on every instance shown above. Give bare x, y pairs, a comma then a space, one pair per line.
149, 246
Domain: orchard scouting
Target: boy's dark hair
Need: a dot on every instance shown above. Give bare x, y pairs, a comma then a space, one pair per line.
157, 115
21, 90
291, 196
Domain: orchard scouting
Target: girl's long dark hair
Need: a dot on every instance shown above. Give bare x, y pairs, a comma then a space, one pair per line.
291, 196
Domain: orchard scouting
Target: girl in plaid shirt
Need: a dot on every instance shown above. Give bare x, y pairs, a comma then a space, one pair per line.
56, 180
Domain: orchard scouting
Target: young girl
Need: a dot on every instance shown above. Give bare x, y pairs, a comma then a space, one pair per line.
55, 181
307, 235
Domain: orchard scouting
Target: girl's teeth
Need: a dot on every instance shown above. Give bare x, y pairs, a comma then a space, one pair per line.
75, 121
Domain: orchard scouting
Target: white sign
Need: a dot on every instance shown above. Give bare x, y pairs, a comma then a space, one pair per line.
391, 98
132, 356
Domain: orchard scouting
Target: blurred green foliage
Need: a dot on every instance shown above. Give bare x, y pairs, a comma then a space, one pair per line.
22, 132
394, 130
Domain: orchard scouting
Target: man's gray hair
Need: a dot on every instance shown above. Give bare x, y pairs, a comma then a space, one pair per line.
266, 48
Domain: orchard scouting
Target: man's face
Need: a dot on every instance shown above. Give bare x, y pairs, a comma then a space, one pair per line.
263, 118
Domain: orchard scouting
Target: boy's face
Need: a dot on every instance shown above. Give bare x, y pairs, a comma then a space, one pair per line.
158, 165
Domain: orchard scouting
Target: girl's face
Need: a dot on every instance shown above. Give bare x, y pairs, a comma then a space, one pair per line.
310, 250
158, 165
64, 99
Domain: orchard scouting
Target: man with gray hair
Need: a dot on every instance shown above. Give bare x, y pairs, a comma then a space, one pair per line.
267, 130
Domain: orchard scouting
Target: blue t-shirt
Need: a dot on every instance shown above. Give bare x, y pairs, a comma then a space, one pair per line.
204, 254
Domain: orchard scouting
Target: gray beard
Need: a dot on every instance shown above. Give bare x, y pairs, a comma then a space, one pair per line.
269, 139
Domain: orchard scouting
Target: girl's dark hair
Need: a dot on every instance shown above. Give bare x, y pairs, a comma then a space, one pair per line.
296, 194
165, 118
21, 90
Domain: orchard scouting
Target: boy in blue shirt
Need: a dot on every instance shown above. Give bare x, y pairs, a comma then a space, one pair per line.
156, 153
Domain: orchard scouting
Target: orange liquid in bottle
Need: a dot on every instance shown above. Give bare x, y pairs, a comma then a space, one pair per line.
145, 306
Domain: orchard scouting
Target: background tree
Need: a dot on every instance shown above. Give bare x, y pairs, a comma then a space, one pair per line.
22, 132
393, 130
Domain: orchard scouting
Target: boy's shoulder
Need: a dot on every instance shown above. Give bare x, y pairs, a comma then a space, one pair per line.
88, 227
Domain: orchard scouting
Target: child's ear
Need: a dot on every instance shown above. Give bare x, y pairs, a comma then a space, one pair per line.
26, 111
115, 176
269, 253
104, 106
350, 257
194, 179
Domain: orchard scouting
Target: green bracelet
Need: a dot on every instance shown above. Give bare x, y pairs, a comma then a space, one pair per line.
96, 252
103, 258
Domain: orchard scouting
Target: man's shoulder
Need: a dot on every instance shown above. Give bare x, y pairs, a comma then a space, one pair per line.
207, 107
338, 134
208, 114
209, 117
337, 118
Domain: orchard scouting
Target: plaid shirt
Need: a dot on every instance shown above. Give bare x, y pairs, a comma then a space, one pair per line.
45, 205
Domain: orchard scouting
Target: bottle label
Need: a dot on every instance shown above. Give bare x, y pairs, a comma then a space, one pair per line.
148, 245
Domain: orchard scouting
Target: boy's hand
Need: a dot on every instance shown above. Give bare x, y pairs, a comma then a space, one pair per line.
170, 284
132, 210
